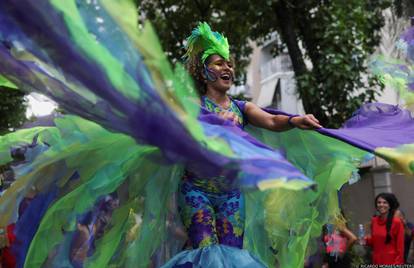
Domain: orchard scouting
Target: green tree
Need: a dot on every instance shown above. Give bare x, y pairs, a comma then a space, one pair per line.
174, 20
404, 8
335, 38
12, 109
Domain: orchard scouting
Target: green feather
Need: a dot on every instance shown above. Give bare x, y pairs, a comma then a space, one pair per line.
203, 39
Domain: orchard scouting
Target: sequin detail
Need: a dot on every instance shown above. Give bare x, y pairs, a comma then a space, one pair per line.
214, 108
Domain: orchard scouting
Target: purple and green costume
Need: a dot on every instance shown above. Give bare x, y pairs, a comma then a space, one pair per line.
213, 209
135, 124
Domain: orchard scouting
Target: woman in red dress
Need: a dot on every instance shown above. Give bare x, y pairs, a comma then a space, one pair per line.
387, 232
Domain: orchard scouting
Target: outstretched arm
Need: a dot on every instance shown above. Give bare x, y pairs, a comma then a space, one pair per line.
260, 118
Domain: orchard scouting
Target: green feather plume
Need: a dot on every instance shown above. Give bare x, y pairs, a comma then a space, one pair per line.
203, 39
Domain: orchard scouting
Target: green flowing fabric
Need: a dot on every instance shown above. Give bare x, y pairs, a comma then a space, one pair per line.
107, 162
282, 225
4, 82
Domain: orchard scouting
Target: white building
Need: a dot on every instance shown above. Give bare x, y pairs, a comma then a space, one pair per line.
271, 79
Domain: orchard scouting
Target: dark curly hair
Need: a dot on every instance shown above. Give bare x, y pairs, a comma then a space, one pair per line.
394, 205
195, 67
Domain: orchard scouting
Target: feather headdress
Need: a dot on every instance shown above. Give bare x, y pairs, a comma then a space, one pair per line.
203, 39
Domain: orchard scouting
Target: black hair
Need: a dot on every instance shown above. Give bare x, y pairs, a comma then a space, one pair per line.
394, 205
195, 67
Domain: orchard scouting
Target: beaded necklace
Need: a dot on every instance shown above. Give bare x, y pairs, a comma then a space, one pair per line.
215, 108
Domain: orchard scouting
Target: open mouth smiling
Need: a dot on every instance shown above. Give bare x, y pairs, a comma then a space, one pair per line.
226, 77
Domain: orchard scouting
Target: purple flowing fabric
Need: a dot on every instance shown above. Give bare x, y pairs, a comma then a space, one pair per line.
372, 126
147, 119
29, 220
376, 125
41, 29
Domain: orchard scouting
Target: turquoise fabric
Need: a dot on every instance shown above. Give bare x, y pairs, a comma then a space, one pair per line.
216, 256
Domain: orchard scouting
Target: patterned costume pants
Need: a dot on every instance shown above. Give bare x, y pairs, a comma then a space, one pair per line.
212, 218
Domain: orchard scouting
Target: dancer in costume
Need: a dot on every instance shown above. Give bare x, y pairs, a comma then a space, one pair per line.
93, 59
216, 199
213, 209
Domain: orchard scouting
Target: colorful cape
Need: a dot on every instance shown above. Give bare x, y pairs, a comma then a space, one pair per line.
136, 124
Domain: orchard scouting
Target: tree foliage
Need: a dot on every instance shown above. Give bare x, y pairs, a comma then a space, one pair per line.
174, 20
12, 109
404, 8
337, 38
329, 42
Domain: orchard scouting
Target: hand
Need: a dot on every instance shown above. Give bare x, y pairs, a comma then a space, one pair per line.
306, 122
227, 115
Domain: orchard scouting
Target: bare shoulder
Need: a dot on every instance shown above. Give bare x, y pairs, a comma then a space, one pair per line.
250, 105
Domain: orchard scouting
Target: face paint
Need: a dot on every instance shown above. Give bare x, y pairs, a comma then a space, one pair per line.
215, 69
210, 75
218, 73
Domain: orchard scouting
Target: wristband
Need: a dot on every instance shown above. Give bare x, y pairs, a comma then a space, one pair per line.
290, 119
